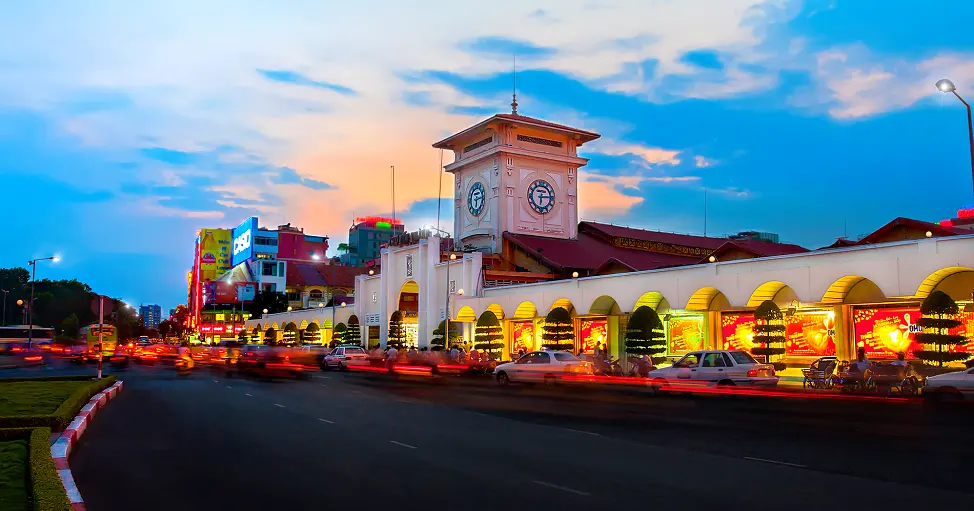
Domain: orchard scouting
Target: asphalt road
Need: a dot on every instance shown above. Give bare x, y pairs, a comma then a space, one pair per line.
208, 442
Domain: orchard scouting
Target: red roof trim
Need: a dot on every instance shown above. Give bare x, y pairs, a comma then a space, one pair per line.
587, 135
935, 229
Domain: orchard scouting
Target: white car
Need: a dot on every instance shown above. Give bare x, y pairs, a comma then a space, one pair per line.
343, 356
541, 366
950, 386
715, 367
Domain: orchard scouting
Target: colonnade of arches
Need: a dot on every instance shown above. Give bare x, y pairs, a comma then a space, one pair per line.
292, 332
852, 312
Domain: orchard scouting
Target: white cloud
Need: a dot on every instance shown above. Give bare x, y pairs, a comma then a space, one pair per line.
651, 155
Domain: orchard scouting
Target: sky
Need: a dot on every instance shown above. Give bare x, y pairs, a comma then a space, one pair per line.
126, 126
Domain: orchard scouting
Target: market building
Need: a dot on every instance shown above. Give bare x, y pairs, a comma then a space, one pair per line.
519, 251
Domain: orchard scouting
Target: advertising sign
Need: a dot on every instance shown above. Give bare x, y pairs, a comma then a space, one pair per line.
243, 241
522, 336
738, 331
885, 332
594, 332
220, 291
807, 333
685, 333
810, 333
214, 245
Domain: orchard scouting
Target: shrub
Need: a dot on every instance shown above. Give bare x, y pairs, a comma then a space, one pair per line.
64, 414
488, 334
644, 334
769, 330
559, 331
45, 483
939, 315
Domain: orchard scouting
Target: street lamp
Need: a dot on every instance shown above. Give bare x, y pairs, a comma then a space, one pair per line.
5, 293
333, 318
446, 322
946, 86
30, 306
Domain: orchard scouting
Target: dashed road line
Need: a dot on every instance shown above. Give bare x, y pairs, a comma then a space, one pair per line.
278, 405
563, 488
403, 445
248, 395
775, 462
326, 420
229, 387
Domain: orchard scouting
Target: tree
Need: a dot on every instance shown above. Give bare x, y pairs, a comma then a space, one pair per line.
70, 326
769, 330
353, 334
166, 327
439, 342
939, 314
488, 335
180, 316
273, 301
397, 333
559, 330
338, 336
270, 337
645, 334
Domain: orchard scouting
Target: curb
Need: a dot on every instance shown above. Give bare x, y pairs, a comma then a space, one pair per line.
64, 443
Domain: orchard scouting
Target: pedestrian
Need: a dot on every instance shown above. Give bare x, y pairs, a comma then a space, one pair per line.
391, 354
454, 355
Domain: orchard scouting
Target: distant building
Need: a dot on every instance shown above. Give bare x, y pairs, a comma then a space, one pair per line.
366, 237
172, 313
151, 315
754, 236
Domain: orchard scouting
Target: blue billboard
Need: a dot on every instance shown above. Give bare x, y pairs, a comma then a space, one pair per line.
243, 240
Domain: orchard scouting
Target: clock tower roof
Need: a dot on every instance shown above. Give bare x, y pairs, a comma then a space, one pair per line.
583, 135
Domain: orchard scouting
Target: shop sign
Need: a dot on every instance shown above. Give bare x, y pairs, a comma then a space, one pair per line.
684, 334
807, 333
522, 336
594, 332
656, 246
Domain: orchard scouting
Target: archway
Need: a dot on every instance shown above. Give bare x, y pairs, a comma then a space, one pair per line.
707, 298
465, 314
654, 300
594, 328
315, 296
604, 305
523, 333
496, 310
778, 292
853, 289
525, 310
956, 281
564, 303
408, 308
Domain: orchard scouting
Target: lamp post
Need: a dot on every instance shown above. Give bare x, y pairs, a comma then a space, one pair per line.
946, 86
453, 257
30, 305
333, 318
5, 293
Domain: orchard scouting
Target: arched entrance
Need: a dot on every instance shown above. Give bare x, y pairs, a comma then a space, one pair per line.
408, 309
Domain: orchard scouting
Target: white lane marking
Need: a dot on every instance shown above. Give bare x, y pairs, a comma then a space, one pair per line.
562, 488
216, 381
581, 431
405, 400
229, 387
762, 460
326, 377
402, 444
248, 395
278, 405
325, 386
325, 420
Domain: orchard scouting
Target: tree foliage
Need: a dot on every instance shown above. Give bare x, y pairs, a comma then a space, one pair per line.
439, 342
70, 326
273, 301
939, 314
769, 330
338, 335
559, 330
270, 337
397, 333
488, 335
645, 334
354, 332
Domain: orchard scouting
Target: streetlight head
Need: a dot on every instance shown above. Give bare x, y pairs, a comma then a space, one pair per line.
574, 274
713, 259
453, 257
929, 234
371, 272
289, 308
343, 304
265, 311
945, 85
20, 302
460, 291
56, 258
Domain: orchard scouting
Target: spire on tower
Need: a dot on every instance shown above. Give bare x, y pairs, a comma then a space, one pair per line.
514, 82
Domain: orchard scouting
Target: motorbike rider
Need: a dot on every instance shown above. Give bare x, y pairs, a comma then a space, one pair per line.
185, 358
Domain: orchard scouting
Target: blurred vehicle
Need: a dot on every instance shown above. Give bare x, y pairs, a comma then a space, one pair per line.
309, 355
105, 334
13, 338
226, 352
344, 356
715, 367
267, 361
541, 366
956, 386
152, 353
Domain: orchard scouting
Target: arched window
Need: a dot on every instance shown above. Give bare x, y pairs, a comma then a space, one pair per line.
316, 295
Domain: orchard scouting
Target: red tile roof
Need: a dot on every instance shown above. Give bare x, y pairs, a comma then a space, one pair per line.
587, 136
757, 248
590, 253
609, 231
934, 228
319, 274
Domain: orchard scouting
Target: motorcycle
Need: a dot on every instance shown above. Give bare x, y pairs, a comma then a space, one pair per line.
184, 366
611, 367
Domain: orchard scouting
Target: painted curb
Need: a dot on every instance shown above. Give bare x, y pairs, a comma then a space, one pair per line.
63, 445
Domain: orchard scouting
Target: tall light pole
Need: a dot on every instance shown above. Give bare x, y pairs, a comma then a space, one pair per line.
453, 257
946, 86
30, 304
5, 293
333, 318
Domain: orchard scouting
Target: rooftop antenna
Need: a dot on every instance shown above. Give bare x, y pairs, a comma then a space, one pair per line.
705, 213
514, 87
393, 167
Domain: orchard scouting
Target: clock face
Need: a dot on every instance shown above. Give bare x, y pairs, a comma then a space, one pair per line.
476, 199
541, 196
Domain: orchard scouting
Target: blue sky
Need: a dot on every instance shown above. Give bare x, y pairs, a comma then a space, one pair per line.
124, 129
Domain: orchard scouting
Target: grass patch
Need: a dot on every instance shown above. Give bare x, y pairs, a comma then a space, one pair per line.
13, 476
52, 403
35, 398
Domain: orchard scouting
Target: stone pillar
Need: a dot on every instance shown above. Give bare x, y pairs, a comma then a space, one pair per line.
384, 299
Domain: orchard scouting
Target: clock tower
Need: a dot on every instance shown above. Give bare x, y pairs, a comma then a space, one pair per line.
514, 174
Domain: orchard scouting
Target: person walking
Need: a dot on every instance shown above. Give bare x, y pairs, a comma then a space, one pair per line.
391, 355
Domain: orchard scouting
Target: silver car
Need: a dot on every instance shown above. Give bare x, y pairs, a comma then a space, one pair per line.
344, 356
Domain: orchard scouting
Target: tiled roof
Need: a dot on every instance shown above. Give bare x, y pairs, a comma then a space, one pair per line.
587, 136
934, 228
609, 231
757, 248
319, 274
590, 253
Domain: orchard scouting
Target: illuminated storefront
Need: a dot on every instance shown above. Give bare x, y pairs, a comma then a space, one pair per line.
593, 332
808, 332
685, 332
525, 336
